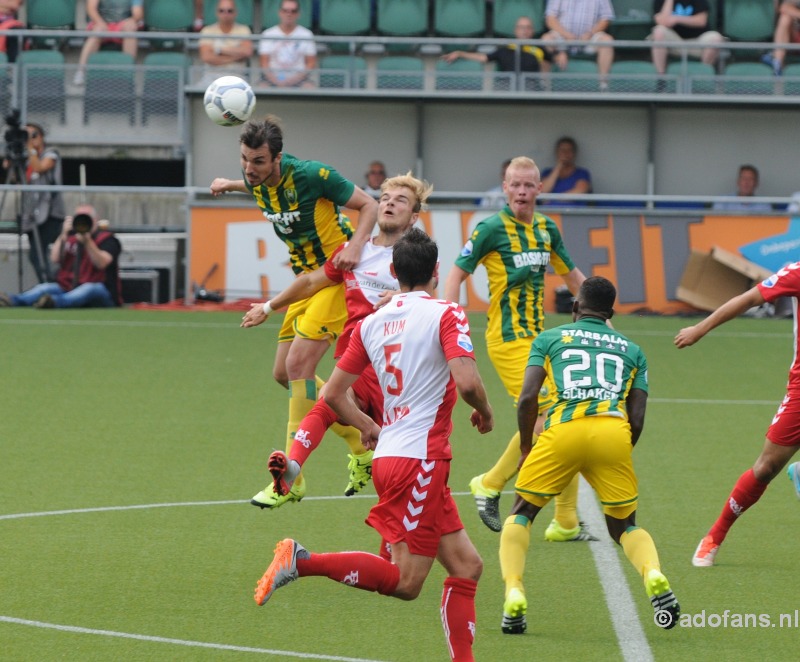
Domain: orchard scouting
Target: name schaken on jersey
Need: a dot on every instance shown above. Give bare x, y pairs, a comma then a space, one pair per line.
409, 342
583, 337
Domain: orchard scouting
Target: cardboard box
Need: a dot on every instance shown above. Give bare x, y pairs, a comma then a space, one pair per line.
710, 279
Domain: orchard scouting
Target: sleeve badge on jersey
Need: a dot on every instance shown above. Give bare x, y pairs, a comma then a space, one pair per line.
770, 282
465, 342
467, 250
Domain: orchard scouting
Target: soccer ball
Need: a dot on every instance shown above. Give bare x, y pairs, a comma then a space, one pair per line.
229, 101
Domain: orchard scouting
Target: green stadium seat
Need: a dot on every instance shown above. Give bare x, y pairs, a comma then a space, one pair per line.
402, 18
269, 13
633, 19
459, 18
506, 12
110, 85
748, 20
460, 75
791, 80
579, 76
50, 15
633, 76
344, 17
400, 72
172, 16
164, 78
244, 13
695, 77
42, 82
343, 72
752, 78
5, 77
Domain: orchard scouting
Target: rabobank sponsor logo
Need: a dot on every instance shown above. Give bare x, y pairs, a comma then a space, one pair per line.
467, 250
465, 342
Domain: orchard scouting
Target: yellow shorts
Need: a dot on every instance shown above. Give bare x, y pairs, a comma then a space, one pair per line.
510, 359
599, 447
320, 317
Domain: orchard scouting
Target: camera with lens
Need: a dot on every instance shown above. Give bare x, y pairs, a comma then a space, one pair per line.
82, 223
16, 137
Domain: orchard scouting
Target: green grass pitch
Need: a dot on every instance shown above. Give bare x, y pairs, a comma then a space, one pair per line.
104, 411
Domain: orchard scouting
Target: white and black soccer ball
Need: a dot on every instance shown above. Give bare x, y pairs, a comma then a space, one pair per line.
229, 101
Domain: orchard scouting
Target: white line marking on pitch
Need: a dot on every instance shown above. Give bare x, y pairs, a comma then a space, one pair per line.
622, 610
179, 642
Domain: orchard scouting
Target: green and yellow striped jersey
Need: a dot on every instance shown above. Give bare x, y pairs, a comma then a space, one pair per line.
304, 210
516, 256
593, 366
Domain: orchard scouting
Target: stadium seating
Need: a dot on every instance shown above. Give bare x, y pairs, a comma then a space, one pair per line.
164, 78
402, 18
50, 15
695, 77
633, 19
461, 75
459, 18
343, 72
506, 12
42, 82
791, 80
633, 77
579, 76
748, 20
344, 17
244, 13
400, 72
749, 78
172, 16
269, 13
110, 85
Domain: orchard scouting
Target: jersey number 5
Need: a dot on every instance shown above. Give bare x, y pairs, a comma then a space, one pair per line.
389, 351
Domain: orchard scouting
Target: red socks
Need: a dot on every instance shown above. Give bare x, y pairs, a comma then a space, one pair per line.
311, 430
746, 492
359, 569
458, 617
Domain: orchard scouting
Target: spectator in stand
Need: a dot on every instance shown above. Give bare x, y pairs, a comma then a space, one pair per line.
287, 51
9, 21
88, 273
565, 176
376, 174
567, 20
110, 16
495, 197
686, 20
746, 185
787, 31
509, 57
219, 49
199, 16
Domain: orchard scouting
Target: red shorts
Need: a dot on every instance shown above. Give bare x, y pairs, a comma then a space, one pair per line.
785, 427
370, 395
112, 27
414, 503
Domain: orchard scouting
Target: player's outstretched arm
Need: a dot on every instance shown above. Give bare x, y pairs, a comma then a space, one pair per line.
367, 208
528, 407
727, 311
302, 287
335, 393
221, 185
452, 286
635, 404
470, 388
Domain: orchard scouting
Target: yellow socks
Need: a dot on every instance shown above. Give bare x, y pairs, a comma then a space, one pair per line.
514, 540
566, 505
302, 397
640, 550
503, 470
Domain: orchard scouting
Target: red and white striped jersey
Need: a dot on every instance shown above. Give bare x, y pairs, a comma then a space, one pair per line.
786, 283
409, 342
364, 284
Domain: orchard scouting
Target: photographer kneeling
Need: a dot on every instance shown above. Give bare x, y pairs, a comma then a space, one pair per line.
88, 274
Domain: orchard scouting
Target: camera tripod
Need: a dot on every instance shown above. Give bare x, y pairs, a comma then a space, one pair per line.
16, 175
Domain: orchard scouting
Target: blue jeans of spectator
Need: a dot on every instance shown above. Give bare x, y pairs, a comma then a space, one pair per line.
83, 296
